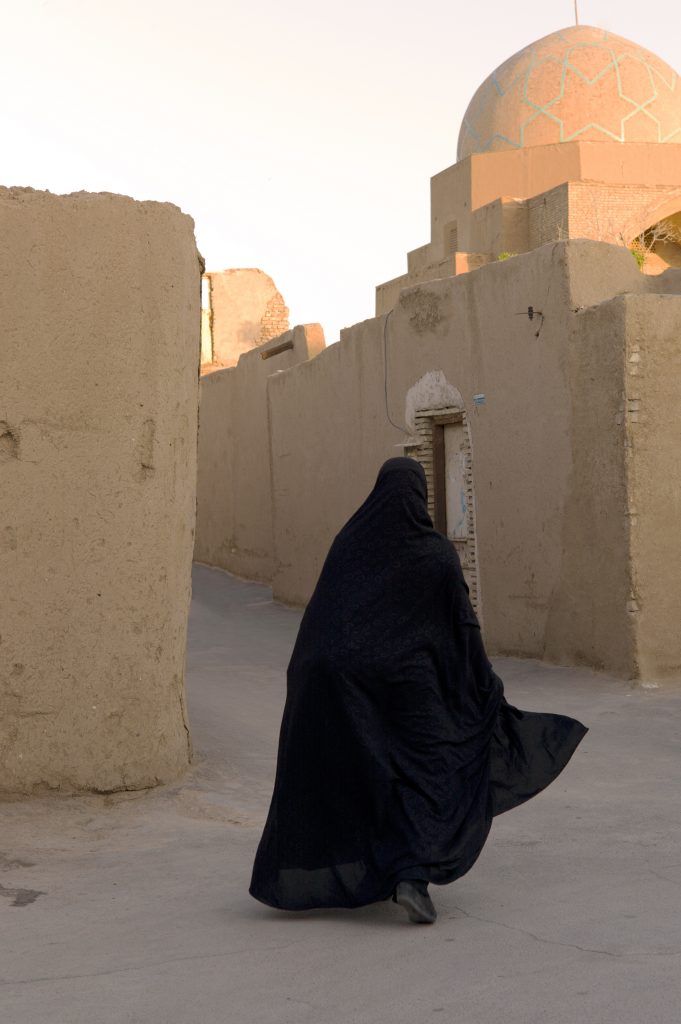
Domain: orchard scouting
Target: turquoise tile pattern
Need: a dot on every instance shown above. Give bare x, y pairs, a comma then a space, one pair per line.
581, 83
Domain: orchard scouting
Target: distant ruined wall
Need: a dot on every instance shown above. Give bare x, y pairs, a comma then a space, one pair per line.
246, 311
100, 307
234, 499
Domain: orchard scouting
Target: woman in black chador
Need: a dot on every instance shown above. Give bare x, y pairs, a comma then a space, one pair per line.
397, 746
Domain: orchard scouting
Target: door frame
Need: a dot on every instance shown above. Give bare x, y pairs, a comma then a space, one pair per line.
428, 447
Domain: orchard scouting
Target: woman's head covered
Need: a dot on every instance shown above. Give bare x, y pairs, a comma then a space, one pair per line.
403, 475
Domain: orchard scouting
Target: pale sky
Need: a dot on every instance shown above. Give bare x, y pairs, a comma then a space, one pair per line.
300, 136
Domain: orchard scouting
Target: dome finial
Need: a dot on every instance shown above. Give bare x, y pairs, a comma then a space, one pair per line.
576, 13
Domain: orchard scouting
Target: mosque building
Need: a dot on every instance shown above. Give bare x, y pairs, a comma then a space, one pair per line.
575, 136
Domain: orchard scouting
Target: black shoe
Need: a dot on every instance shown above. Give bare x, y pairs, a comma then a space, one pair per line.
413, 896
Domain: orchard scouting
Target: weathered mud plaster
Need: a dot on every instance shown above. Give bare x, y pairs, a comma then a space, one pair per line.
572, 419
652, 421
431, 391
234, 502
100, 307
245, 310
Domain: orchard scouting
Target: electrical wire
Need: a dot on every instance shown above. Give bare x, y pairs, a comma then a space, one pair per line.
385, 376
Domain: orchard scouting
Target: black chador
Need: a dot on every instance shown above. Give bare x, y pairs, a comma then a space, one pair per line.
397, 746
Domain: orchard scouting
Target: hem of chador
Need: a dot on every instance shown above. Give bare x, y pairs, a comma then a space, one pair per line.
420, 874
384, 896
504, 800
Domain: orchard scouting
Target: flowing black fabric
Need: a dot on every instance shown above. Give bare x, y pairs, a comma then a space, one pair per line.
397, 746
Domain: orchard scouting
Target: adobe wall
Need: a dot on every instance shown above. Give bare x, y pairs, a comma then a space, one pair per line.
329, 425
626, 492
652, 416
549, 455
98, 402
234, 502
247, 311
588, 621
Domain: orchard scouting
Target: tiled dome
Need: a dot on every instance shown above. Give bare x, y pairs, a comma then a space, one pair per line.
581, 84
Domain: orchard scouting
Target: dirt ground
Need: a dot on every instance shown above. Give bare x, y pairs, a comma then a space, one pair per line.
134, 907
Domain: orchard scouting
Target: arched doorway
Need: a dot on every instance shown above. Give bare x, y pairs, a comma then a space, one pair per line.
658, 246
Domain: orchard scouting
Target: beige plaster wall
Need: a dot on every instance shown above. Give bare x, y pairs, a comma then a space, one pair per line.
98, 401
501, 226
651, 414
234, 506
418, 259
246, 311
450, 200
329, 425
550, 467
388, 294
589, 621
